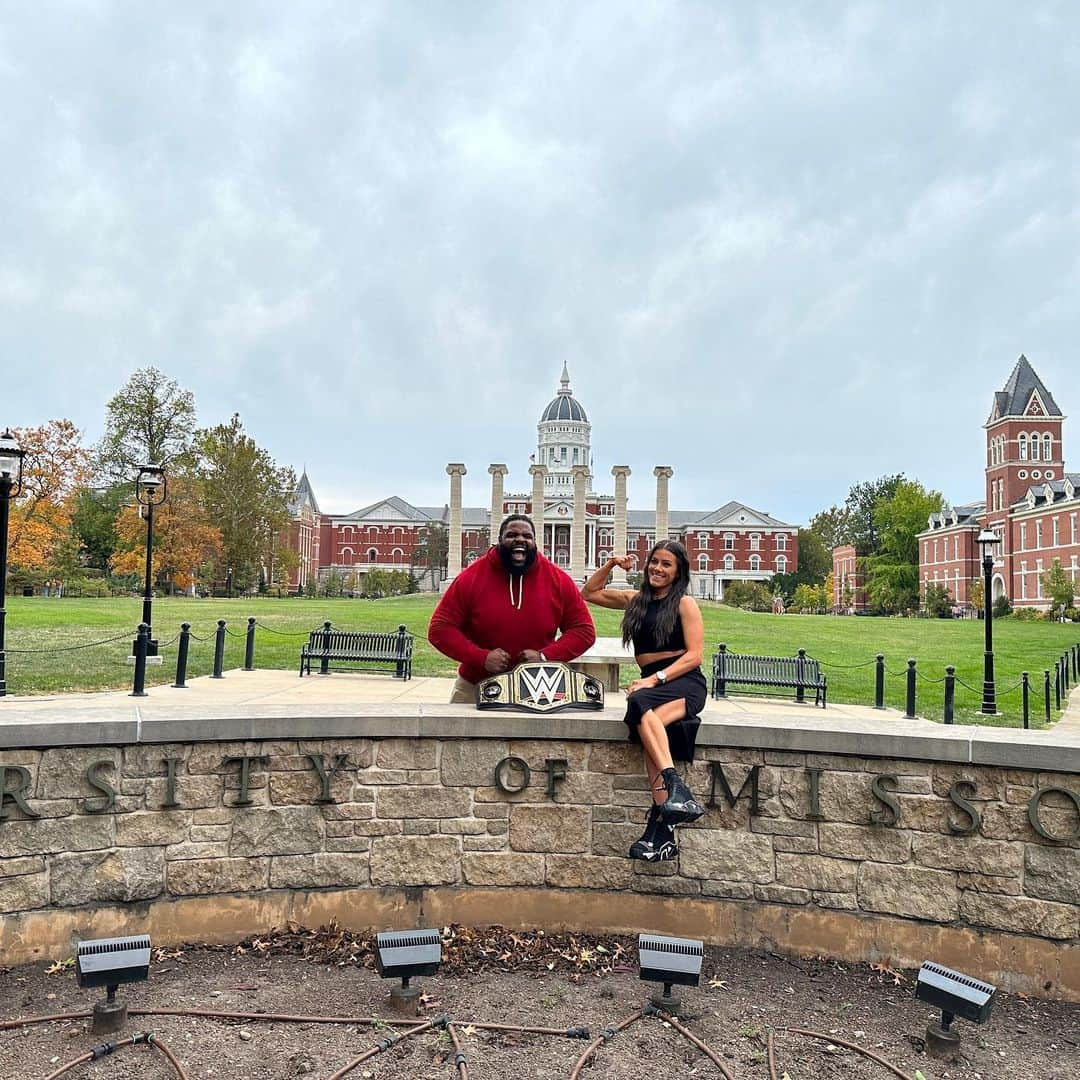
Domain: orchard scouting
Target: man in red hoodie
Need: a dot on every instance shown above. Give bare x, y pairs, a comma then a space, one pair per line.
506, 609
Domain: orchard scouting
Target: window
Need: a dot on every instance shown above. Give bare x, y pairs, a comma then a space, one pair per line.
781, 541
1023, 581
781, 564
1056, 540
1038, 579
372, 555
397, 554
729, 562
729, 541
1038, 534
346, 551
1048, 447
1072, 526
1022, 441
1023, 536
703, 562
755, 562
755, 541
703, 539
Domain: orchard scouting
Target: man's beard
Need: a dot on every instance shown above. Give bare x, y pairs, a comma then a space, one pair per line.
516, 569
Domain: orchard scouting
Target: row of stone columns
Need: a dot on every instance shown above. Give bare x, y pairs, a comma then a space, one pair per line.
580, 473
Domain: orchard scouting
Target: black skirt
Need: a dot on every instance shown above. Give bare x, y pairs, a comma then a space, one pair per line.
682, 735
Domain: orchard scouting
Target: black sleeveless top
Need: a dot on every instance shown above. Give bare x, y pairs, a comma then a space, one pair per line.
645, 639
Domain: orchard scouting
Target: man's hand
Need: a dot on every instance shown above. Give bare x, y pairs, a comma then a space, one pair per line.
530, 656
497, 661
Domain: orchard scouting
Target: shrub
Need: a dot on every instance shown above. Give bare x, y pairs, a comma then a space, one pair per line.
1002, 607
748, 595
1072, 614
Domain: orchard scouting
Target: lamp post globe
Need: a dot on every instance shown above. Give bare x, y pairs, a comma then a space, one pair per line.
150, 491
986, 541
11, 463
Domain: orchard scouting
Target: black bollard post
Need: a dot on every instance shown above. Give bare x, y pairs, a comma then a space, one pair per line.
910, 704
142, 644
1046, 692
1057, 685
879, 682
324, 667
950, 693
1064, 674
399, 671
219, 649
800, 675
1025, 697
249, 646
720, 671
181, 656
1075, 658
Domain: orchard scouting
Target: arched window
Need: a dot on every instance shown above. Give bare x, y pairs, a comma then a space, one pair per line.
703, 562
1034, 446
1048, 447
729, 562
397, 554
1023, 447
755, 562
781, 564
372, 555
346, 551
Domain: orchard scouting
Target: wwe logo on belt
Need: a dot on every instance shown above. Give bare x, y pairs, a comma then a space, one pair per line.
541, 685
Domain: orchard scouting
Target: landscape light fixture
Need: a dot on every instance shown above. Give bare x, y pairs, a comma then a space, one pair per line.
955, 994
150, 491
109, 962
401, 954
669, 961
11, 463
986, 540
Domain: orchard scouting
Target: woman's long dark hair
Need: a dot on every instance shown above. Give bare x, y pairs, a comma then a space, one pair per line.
668, 611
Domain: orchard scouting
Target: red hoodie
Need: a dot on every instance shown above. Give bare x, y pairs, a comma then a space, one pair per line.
485, 608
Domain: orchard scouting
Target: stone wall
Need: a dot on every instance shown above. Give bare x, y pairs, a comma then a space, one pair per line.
935, 846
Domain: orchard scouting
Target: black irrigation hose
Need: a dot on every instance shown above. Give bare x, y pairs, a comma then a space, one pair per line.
71, 648
107, 1048
386, 1044
691, 1037
459, 1054
894, 1069
606, 1036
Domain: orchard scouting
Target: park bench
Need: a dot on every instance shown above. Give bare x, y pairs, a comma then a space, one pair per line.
800, 673
361, 647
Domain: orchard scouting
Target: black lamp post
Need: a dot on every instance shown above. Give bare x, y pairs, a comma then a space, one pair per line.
228, 583
150, 489
11, 459
986, 540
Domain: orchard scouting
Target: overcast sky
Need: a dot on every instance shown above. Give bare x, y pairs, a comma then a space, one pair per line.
782, 248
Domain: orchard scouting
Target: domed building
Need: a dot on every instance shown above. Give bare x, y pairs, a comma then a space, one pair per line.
732, 543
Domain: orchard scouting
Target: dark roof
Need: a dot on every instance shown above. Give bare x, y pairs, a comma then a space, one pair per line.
1013, 400
564, 406
303, 494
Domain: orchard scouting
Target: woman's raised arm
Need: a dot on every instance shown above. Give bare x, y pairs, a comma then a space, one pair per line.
594, 592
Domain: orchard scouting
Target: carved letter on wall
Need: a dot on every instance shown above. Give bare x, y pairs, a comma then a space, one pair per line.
891, 815
958, 796
15, 790
556, 772
245, 775
339, 762
1037, 825
813, 778
170, 782
99, 783
716, 775
502, 768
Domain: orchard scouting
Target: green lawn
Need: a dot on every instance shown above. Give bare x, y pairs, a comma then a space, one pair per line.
845, 646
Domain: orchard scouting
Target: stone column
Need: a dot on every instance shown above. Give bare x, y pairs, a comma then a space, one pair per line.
663, 474
580, 474
538, 472
497, 474
453, 539
620, 472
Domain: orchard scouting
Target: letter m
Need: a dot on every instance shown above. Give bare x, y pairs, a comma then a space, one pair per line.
717, 776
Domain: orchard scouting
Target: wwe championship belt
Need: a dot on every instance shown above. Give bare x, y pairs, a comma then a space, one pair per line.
541, 687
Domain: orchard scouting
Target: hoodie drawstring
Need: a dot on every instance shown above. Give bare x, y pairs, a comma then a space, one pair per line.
521, 592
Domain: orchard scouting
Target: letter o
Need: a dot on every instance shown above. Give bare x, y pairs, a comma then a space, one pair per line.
1037, 825
512, 762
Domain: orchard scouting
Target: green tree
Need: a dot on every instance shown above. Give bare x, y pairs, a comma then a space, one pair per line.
1058, 586
892, 573
937, 600
830, 526
975, 593
749, 595
246, 496
150, 419
815, 562
861, 512
93, 522
429, 555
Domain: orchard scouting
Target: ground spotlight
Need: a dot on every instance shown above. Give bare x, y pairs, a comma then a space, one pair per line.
669, 961
401, 954
955, 994
109, 962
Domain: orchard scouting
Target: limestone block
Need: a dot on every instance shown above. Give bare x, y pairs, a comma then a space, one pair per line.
733, 755
492, 810
1004, 822
989, 883
926, 813
726, 856
783, 827
1018, 796
28, 864
839, 901
816, 872
415, 860
897, 768
989, 783
615, 757
148, 759
969, 853
612, 839
189, 850
62, 773
608, 813
537, 751
420, 828
836, 762
303, 788
349, 811
278, 831
589, 872
348, 844
728, 890
201, 877
191, 792
844, 796
579, 788
781, 894
623, 782
152, 827
378, 828
560, 829
504, 868
464, 762
484, 843
1049, 873
463, 826
908, 890
802, 845
117, 876
1020, 915
209, 834
498, 828
405, 753
207, 757
428, 802
786, 759
319, 870
83, 833
334, 828
21, 756
384, 777
667, 885
360, 752
875, 843
217, 816
24, 892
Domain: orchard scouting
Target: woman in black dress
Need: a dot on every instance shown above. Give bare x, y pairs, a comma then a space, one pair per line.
662, 705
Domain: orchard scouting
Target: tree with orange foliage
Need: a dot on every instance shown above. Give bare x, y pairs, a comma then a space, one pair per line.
55, 467
184, 539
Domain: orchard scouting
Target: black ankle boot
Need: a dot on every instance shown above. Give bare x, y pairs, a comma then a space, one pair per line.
657, 843
681, 806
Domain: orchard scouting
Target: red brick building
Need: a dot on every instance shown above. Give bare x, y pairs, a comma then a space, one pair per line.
849, 592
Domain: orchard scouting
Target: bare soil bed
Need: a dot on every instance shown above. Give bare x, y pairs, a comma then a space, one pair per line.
524, 979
